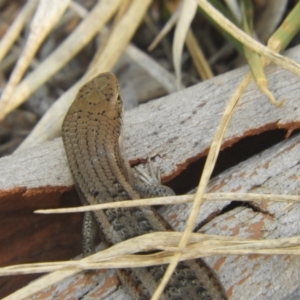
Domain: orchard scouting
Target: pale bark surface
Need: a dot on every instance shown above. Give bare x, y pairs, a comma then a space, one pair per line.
178, 130
275, 171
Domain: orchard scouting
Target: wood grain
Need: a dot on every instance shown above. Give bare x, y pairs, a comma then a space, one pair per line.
44, 169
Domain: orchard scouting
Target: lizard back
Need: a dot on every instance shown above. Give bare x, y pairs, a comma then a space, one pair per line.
91, 135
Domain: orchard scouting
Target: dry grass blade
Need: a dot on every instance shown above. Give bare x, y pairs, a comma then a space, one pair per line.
207, 171
215, 146
78, 9
50, 125
15, 29
287, 30
119, 38
46, 16
136, 244
206, 245
241, 36
84, 32
166, 79
199, 245
254, 61
194, 49
187, 14
200, 62
175, 200
167, 27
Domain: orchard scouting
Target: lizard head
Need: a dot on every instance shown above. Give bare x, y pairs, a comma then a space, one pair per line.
100, 96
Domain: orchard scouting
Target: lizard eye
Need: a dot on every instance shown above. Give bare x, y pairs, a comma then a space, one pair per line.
119, 97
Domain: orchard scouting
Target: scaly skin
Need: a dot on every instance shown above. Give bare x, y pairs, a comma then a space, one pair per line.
91, 134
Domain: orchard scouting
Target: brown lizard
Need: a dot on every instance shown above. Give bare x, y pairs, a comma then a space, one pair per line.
91, 134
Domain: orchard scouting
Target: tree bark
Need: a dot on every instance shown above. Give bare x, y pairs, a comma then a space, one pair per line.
175, 130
